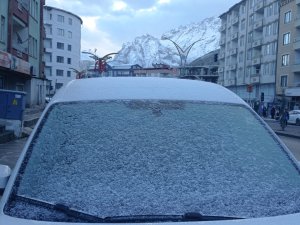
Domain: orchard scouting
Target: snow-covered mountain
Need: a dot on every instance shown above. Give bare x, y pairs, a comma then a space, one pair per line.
146, 50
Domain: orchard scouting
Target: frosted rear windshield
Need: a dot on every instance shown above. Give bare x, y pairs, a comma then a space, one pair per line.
119, 158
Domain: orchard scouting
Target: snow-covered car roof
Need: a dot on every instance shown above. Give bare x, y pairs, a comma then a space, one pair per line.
144, 88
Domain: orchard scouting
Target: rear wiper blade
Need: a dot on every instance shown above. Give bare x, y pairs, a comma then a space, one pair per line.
165, 218
61, 208
190, 216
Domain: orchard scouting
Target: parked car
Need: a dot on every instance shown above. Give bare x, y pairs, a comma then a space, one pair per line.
294, 117
151, 150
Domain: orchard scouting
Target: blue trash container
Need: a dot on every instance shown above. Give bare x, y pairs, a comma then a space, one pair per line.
12, 104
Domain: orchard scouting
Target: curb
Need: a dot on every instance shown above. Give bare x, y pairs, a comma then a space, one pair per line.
287, 135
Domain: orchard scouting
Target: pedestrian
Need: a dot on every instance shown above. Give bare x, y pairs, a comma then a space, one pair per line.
286, 115
264, 111
273, 110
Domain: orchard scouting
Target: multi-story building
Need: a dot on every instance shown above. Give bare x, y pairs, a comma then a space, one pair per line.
205, 67
248, 48
20, 48
62, 46
288, 63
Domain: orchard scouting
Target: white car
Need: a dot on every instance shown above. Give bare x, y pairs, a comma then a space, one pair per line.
294, 117
151, 150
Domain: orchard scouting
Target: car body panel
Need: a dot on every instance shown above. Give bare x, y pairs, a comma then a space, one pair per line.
294, 115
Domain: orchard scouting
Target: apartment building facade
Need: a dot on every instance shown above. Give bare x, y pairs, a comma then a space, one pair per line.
248, 48
20, 49
288, 63
62, 46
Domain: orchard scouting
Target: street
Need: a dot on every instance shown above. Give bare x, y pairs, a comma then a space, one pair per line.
293, 144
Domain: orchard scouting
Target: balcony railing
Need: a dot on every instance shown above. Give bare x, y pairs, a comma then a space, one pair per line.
222, 41
235, 20
256, 61
296, 68
233, 51
234, 36
259, 7
258, 24
254, 78
222, 55
221, 69
223, 28
257, 43
296, 44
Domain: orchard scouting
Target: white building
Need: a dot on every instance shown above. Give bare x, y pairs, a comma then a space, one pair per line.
62, 46
248, 49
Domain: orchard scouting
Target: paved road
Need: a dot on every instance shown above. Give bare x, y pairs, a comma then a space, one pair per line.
9, 152
293, 144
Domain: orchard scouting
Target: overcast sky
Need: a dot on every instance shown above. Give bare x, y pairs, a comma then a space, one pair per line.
107, 24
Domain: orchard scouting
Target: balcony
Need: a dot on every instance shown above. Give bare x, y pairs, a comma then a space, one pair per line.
223, 28
222, 41
297, 22
234, 36
254, 78
230, 82
222, 55
259, 7
233, 51
256, 61
257, 43
296, 68
296, 44
258, 25
231, 67
235, 20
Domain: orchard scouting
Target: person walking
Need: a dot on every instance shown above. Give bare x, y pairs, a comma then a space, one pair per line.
273, 110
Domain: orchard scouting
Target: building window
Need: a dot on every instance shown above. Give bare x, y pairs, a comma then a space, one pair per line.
286, 38
285, 60
60, 45
34, 9
69, 47
60, 18
2, 29
243, 24
33, 47
251, 20
70, 21
251, 4
69, 60
243, 9
249, 54
59, 73
69, 34
283, 81
250, 37
59, 59
68, 73
288, 17
242, 41
60, 32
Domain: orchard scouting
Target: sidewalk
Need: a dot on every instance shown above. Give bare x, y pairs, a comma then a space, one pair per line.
290, 131
10, 152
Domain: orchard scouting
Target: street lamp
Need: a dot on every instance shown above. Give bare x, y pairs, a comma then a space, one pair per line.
100, 61
79, 74
183, 53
